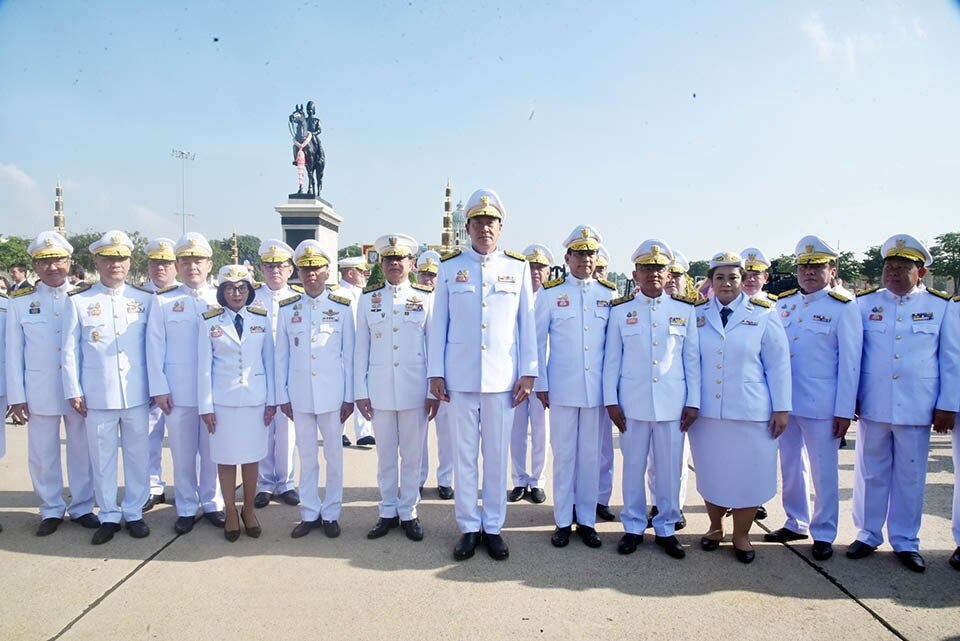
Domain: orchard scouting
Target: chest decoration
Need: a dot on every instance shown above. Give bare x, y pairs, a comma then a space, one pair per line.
331, 315
603, 303
878, 309
821, 318
414, 304
678, 321
35, 307
876, 317
922, 316
297, 318
178, 306
296, 341
375, 302
506, 278
256, 329
93, 309
701, 321
94, 336
632, 318
463, 276
133, 307
563, 300
216, 331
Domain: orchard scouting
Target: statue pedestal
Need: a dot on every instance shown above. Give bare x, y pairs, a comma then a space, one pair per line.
305, 216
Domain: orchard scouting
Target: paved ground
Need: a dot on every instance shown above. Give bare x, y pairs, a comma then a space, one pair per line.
198, 586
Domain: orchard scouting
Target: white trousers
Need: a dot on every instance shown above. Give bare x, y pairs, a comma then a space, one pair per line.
956, 486
3, 427
808, 448
482, 425
888, 483
606, 458
276, 468
684, 472
330, 428
664, 441
399, 435
530, 413
575, 439
361, 427
43, 461
445, 451
195, 478
157, 423
108, 430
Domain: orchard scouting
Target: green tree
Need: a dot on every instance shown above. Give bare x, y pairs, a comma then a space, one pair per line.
349, 251
849, 269
946, 258
82, 255
699, 268
13, 249
786, 263
872, 266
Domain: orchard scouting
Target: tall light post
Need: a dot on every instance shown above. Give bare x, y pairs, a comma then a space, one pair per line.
184, 156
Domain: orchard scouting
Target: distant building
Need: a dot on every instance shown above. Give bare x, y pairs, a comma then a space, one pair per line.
59, 217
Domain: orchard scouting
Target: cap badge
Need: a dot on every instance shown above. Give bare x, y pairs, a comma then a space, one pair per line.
393, 241
308, 251
809, 249
163, 247
901, 243
192, 242
48, 242
585, 232
115, 240
751, 256
484, 200
655, 250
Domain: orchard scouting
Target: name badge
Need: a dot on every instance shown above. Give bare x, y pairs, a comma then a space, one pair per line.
297, 318
506, 279
678, 321
822, 319
923, 316
563, 300
747, 321
876, 317
603, 303
94, 309
256, 329
35, 307
178, 306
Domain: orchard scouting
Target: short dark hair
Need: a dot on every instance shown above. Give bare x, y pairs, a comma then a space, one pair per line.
78, 271
21, 266
743, 272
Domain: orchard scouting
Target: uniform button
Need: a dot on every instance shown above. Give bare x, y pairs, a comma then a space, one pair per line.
396, 347
484, 285
718, 396
896, 356
796, 338
483, 304
587, 368
116, 315
396, 311
313, 356
899, 319
720, 351
396, 329
56, 313
584, 308
483, 347
719, 381
313, 373
59, 349
654, 379
586, 348
483, 325
396, 364
898, 338
653, 324
586, 329
896, 376
723, 338
719, 366
655, 362
655, 343
800, 320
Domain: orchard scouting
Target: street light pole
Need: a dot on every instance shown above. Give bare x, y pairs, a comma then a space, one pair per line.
184, 156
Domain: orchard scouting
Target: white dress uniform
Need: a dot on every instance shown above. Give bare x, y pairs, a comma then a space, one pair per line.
172, 365
956, 453
236, 381
3, 383
651, 370
314, 373
911, 347
745, 376
361, 426
606, 426
482, 339
105, 362
390, 361
34, 338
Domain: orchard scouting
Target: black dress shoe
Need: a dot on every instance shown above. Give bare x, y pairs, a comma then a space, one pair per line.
516, 494
253, 531
603, 512
48, 526
184, 524
589, 536
955, 559
761, 514
537, 495
744, 556
138, 529
671, 546
331, 529
153, 501
445, 492
629, 542
104, 533
412, 529
217, 519
290, 497
681, 522
709, 545
88, 520
496, 546
822, 550
303, 528
783, 535
366, 440
859, 549
465, 547
383, 526
653, 512
262, 499
346, 441
912, 561
561, 536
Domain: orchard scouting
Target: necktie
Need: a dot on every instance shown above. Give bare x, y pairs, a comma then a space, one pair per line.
724, 315
238, 323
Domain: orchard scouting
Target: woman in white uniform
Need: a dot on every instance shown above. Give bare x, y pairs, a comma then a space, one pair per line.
744, 402
235, 373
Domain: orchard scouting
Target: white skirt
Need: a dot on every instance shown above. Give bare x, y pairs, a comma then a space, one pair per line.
241, 436
735, 461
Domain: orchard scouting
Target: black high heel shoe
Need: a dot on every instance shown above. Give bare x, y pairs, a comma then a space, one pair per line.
251, 531
232, 535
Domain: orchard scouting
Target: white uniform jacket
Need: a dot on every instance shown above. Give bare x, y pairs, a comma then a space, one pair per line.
172, 340
314, 355
483, 334
104, 346
825, 337
571, 327
269, 300
390, 359
34, 338
911, 351
651, 365
231, 370
745, 366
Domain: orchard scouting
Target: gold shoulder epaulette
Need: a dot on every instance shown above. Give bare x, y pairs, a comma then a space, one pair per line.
166, 289
870, 290
343, 300
449, 255
373, 288
607, 284
789, 292
259, 311
684, 299
23, 291
333, 288
840, 297
298, 288
554, 282
422, 288
257, 286
79, 288
938, 293
762, 303
513, 254
771, 297
621, 300
288, 301
212, 313
956, 299
701, 301
141, 288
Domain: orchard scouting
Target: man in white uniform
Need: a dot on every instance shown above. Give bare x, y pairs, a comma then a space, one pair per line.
908, 381
354, 271
276, 469
105, 381
390, 363
571, 315
482, 359
34, 353
606, 425
314, 384
826, 338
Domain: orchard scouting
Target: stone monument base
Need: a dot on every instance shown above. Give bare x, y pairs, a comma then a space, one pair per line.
308, 216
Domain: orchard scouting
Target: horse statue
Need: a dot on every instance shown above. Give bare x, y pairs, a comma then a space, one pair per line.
305, 128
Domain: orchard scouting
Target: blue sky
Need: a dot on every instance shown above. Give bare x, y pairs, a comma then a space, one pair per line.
709, 125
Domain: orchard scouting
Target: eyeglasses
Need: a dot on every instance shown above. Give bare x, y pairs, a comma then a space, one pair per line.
236, 289
652, 268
